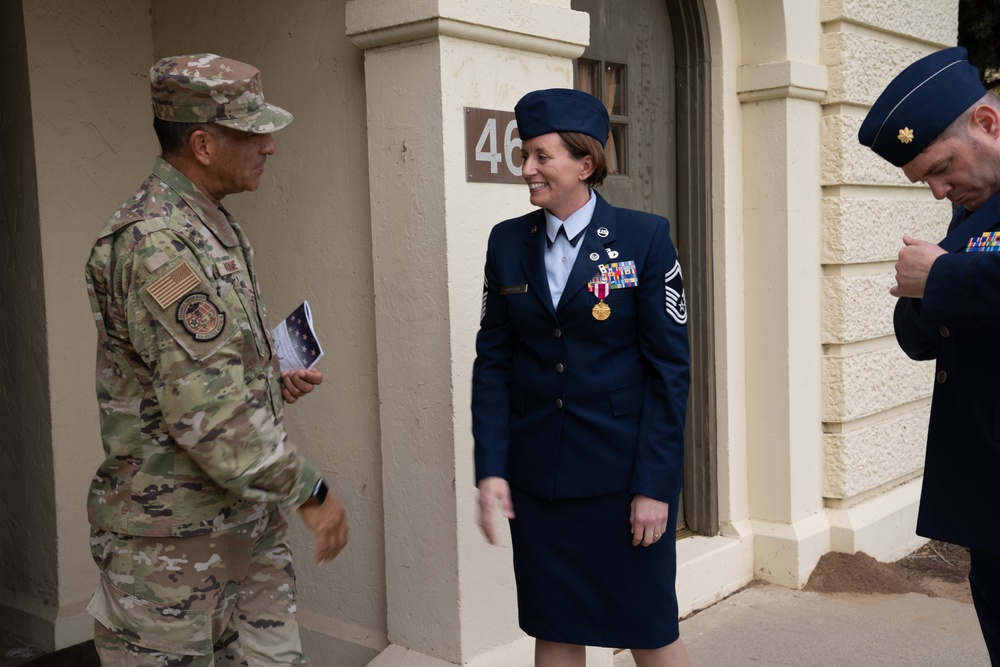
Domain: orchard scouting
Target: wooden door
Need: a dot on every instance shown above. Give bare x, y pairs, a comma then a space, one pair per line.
648, 61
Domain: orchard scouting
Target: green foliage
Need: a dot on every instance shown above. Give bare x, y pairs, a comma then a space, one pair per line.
979, 32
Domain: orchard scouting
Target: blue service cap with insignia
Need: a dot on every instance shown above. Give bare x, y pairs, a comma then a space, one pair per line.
561, 110
920, 103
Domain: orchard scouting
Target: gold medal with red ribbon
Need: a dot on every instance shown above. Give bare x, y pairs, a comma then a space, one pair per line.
601, 310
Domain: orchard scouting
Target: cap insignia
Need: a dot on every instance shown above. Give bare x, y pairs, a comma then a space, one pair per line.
905, 135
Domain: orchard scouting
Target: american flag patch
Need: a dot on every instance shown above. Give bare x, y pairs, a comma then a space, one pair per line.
173, 285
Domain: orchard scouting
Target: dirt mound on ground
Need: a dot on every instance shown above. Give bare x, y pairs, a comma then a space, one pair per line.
937, 569
858, 573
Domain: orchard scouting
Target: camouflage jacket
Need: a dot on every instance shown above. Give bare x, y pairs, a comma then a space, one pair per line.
187, 381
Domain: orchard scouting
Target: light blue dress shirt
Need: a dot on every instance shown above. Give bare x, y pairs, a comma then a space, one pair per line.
560, 254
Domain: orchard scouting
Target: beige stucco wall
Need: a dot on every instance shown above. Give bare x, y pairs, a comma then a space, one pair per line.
83, 150
780, 79
725, 40
93, 144
875, 400
101, 43
310, 225
366, 212
450, 595
835, 414
26, 584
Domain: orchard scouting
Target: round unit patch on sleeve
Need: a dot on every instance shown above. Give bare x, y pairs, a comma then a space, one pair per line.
673, 293
200, 317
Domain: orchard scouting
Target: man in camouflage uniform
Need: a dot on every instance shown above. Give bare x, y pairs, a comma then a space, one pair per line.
186, 510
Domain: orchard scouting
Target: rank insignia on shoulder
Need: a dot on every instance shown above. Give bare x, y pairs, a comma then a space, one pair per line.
486, 293
673, 292
200, 317
158, 259
173, 285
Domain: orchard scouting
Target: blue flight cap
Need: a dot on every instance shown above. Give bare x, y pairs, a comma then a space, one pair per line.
561, 110
920, 103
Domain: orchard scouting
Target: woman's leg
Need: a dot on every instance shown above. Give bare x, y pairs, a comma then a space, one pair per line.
553, 654
671, 655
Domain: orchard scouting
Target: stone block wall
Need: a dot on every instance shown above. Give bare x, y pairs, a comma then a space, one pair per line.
876, 401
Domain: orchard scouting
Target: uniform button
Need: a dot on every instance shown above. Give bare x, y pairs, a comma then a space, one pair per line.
559, 403
944, 332
559, 368
942, 377
558, 333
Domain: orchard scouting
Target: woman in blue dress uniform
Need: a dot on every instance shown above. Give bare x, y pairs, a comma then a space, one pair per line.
579, 395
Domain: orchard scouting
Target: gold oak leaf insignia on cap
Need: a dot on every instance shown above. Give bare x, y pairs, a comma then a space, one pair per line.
905, 135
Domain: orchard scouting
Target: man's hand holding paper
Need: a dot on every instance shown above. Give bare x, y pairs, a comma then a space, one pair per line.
296, 384
297, 347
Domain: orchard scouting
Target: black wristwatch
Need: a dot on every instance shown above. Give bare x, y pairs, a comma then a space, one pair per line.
319, 493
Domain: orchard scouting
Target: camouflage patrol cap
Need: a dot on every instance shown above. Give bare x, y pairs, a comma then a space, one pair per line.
206, 88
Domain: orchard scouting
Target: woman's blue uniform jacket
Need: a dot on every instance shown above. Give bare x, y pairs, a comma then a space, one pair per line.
958, 323
565, 405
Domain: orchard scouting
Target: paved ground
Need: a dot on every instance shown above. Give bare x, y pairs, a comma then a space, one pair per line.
778, 627
922, 617
13, 652
770, 626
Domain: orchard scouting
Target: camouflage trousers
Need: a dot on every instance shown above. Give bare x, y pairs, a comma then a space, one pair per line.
222, 599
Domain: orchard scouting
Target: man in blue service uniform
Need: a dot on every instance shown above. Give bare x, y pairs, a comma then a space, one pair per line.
937, 122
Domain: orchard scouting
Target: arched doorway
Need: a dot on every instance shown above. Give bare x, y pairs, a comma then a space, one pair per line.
648, 60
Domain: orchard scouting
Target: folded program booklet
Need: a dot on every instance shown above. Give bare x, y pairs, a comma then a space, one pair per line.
295, 341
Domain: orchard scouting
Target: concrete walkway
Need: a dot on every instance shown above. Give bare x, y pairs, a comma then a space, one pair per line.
13, 652
770, 626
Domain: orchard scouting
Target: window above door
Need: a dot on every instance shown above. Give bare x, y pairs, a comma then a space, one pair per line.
608, 82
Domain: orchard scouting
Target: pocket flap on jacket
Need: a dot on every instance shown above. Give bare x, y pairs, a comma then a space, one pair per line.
627, 400
167, 629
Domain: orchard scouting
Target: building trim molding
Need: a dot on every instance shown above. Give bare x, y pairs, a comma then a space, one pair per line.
437, 27
781, 80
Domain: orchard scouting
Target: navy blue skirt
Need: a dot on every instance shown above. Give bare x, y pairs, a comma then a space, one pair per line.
580, 580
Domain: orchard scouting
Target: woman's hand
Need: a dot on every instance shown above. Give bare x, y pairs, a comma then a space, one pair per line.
296, 384
649, 520
493, 491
